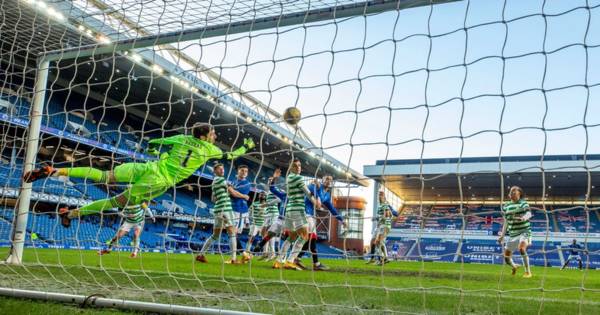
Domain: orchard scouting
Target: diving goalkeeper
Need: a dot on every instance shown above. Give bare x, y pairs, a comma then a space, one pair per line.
150, 179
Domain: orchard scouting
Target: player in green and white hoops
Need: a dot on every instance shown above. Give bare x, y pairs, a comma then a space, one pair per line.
516, 224
263, 211
271, 217
385, 213
224, 217
257, 220
382, 220
148, 180
133, 218
295, 218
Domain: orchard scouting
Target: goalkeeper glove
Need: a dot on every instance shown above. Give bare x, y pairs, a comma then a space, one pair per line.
249, 143
152, 151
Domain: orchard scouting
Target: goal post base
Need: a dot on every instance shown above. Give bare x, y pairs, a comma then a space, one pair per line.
96, 301
12, 259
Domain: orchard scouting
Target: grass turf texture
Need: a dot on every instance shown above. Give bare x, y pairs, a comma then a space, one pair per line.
15, 306
351, 286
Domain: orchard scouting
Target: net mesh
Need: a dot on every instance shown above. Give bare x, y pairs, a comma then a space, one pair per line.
442, 95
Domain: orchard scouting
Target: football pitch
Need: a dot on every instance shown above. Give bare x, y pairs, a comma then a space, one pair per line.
350, 287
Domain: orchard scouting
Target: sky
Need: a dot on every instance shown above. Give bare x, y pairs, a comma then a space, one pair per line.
448, 80
364, 81
397, 103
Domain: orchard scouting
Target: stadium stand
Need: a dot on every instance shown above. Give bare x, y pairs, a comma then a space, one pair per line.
177, 236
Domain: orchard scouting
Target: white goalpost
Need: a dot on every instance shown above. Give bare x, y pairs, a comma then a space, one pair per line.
420, 121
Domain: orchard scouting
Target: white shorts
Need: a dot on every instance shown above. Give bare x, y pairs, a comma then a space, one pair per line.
276, 227
126, 226
312, 224
224, 220
295, 220
512, 244
254, 230
576, 257
383, 230
240, 221
270, 220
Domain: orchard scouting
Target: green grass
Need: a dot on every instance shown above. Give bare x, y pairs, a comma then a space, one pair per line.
23, 306
351, 287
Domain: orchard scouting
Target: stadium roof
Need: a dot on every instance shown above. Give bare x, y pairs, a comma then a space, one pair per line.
561, 178
180, 15
153, 85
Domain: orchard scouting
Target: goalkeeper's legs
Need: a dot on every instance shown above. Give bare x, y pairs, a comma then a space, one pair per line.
90, 173
95, 207
147, 186
124, 173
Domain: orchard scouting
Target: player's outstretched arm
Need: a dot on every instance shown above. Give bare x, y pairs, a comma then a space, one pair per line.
247, 146
334, 212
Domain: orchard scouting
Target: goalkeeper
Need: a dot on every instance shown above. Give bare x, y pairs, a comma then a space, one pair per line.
148, 180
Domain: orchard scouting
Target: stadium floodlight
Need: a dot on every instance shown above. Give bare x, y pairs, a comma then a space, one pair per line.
104, 39
157, 69
41, 4
277, 21
136, 57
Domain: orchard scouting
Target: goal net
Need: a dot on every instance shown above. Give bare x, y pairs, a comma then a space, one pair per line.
418, 118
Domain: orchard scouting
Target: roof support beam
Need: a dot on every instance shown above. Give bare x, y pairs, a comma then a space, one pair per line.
304, 17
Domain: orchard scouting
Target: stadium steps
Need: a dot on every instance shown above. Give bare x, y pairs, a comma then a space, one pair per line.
5, 228
89, 189
6, 218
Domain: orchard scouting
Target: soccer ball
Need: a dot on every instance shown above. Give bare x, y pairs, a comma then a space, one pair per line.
292, 115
